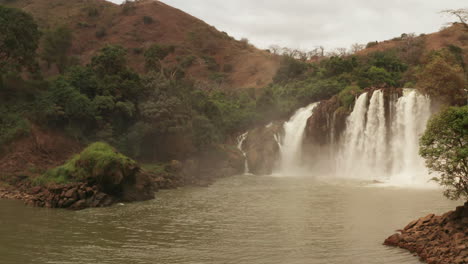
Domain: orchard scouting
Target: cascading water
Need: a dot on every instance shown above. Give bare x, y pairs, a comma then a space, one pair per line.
240, 141
412, 111
371, 150
291, 142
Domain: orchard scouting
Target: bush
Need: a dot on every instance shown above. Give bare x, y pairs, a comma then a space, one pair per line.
444, 146
93, 12
98, 163
12, 126
211, 63
187, 61
155, 54
348, 95
101, 33
372, 44
148, 20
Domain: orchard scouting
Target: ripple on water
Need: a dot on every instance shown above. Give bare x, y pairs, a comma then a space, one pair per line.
243, 219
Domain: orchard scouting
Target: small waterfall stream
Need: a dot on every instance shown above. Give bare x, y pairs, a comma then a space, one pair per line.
240, 141
291, 142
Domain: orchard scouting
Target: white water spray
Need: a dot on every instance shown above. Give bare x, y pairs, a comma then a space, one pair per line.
240, 141
291, 143
411, 116
370, 150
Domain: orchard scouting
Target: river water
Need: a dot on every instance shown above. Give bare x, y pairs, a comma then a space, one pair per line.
242, 219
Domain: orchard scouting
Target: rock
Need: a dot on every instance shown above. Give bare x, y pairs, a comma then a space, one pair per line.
70, 193
262, 149
393, 240
79, 205
436, 239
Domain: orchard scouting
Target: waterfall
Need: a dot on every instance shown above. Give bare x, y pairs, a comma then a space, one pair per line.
291, 142
373, 148
412, 111
240, 141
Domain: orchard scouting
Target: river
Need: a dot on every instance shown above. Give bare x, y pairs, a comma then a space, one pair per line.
242, 219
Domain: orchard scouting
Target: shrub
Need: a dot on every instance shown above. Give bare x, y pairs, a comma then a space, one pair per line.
372, 44
148, 20
211, 63
98, 163
101, 33
155, 54
137, 51
187, 61
12, 126
93, 12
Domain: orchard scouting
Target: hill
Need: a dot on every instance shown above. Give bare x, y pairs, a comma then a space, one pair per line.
210, 56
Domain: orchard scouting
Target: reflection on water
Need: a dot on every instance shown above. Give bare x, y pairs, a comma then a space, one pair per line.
244, 219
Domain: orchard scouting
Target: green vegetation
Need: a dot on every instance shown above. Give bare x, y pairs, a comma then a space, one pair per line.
160, 115
99, 163
444, 145
57, 43
443, 76
19, 40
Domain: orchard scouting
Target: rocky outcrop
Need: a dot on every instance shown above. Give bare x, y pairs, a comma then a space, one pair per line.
79, 195
436, 239
326, 123
262, 149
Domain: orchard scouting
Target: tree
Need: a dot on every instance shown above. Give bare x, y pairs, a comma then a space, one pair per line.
443, 78
444, 145
110, 60
19, 37
155, 55
57, 43
461, 14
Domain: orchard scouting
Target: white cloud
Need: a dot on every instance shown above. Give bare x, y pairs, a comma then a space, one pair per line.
309, 23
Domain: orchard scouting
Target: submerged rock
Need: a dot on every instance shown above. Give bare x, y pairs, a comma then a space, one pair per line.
436, 239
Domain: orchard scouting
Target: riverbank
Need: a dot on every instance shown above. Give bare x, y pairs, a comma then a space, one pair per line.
436, 239
130, 183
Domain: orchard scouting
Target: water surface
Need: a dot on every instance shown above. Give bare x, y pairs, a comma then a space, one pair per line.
243, 219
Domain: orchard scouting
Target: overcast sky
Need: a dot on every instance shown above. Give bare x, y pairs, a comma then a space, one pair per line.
309, 23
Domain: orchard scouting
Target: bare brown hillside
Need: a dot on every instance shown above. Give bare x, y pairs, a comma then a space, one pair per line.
455, 34
219, 60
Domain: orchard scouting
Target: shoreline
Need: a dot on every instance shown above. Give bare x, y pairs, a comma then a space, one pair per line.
436, 239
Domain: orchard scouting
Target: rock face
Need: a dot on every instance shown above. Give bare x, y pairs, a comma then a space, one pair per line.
436, 239
328, 116
261, 148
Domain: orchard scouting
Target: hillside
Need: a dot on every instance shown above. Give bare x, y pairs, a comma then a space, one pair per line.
214, 56
451, 35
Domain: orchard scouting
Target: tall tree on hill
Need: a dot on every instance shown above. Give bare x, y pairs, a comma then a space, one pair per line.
461, 14
19, 37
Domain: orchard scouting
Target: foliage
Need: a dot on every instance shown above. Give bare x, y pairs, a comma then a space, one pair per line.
348, 95
56, 45
99, 163
19, 37
155, 54
443, 78
290, 69
12, 126
444, 145
148, 20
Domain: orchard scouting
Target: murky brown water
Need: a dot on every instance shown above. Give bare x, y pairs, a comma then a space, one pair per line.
245, 219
